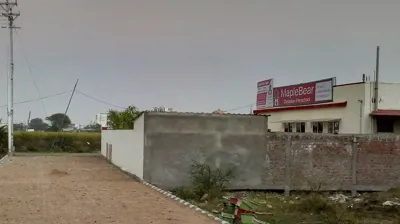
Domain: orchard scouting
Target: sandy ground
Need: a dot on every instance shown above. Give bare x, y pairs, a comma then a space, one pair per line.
56, 189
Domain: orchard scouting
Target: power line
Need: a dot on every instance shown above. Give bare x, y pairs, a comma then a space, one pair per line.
98, 100
34, 81
42, 98
238, 108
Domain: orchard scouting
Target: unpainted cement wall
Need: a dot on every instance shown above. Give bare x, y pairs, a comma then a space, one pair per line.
164, 145
291, 161
333, 162
174, 140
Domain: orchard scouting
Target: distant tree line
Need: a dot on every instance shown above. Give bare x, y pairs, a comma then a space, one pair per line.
116, 120
56, 122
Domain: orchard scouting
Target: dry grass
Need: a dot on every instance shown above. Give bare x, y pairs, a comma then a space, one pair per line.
319, 209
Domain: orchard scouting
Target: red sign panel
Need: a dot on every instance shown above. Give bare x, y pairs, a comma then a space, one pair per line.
262, 99
306, 93
264, 94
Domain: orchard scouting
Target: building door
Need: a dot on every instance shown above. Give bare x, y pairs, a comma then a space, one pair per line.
385, 124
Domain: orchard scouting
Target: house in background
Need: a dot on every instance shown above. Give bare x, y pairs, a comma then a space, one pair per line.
351, 108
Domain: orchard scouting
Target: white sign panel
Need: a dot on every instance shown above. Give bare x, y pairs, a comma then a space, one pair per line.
324, 90
265, 97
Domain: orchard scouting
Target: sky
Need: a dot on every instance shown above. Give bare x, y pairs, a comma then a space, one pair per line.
190, 55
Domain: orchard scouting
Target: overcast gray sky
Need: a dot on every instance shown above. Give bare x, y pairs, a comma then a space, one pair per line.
190, 55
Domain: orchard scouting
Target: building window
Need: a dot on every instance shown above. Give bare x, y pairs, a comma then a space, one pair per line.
331, 128
288, 127
301, 127
318, 127
294, 127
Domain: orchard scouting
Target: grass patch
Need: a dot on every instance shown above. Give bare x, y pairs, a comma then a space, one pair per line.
318, 208
208, 187
74, 142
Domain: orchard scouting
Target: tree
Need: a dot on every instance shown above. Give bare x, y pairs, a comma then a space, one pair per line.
38, 125
123, 119
93, 126
19, 127
58, 121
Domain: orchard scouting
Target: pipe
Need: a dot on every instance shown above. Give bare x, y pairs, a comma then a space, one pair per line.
361, 115
376, 89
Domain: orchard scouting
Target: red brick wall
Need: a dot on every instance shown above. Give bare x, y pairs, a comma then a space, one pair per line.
311, 161
378, 162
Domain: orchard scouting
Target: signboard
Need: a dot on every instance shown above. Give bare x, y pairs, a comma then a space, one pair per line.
265, 97
306, 93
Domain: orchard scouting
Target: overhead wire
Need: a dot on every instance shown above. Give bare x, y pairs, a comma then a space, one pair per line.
42, 98
238, 108
34, 81
113, 105
98, 100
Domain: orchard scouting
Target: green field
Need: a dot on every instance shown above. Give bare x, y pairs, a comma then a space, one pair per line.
75, 142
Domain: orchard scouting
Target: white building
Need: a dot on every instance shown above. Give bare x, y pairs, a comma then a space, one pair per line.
351, 110
101, 119
162, 109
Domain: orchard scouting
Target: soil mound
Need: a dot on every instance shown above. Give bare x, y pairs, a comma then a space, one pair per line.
59, 172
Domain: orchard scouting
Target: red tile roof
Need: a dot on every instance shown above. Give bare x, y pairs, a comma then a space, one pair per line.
393, 113
301, 107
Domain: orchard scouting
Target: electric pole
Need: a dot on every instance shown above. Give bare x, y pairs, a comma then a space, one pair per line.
27, 123
7, 12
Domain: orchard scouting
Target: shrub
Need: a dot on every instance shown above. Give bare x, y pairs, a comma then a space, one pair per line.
3, 140
207, 183
315, 203
74, 142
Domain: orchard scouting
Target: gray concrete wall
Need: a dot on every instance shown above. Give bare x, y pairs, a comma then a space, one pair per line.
174, 140
280, 161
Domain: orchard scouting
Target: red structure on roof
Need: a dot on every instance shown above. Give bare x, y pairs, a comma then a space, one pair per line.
218, 111
391, 113
303, 107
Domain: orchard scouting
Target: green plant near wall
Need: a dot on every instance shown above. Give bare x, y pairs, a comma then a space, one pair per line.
123, 119
3, 140
206, 182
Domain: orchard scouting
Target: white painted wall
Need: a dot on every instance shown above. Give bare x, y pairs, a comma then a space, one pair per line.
389, 94
349, 116
127, 147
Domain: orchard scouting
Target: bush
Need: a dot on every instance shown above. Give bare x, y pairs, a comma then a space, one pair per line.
316, 204
207, 183
3, 140
74, 142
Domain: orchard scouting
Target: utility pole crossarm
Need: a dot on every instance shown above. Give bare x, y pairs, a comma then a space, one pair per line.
6, 8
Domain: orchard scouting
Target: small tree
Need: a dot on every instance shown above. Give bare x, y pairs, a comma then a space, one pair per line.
58, 121
206, 182
123, 119
38, 125
93, 126
19, 127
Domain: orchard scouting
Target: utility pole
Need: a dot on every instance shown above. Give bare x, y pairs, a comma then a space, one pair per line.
65, 114
29, 120
7, 12
376, 89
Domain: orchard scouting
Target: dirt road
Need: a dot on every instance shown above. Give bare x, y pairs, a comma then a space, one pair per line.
56, 189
